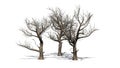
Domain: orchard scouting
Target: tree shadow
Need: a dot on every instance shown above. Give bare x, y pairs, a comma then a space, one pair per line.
83, 58
30, 57
65, 56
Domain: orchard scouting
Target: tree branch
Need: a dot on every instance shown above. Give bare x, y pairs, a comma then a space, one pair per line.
28, 47
43, 26
27, 33
84, 25
88, 34
59, 23
31, 25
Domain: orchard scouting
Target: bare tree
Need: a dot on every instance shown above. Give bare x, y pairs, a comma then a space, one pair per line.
77, 29
57, 18
35, 29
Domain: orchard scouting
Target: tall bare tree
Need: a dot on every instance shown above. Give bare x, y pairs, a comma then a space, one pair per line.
77, 29
57, 19
35, 29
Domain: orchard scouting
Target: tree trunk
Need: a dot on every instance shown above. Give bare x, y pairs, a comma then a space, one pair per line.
41, 52
60, 49
75, 53
41, 57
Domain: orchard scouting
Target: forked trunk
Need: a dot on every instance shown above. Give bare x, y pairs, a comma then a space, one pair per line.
60, 49
75, 53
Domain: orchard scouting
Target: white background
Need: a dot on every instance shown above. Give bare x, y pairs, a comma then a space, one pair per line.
103, 45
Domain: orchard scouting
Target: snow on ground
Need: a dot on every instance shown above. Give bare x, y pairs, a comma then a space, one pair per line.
100, 50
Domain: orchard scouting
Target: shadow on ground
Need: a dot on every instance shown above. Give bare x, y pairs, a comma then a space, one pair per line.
65, 56
30, 57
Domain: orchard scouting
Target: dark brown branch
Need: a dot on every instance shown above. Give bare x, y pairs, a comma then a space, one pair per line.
88, 16
77, 15
27, 33
59, 23
30, 25
88, 34
28, 47
43, 27
84, 25
77, 27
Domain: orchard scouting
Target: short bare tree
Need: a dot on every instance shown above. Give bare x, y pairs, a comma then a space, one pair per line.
57, 19
77, 29
35, 28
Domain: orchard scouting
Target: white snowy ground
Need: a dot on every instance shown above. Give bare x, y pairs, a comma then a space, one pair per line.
100, 50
